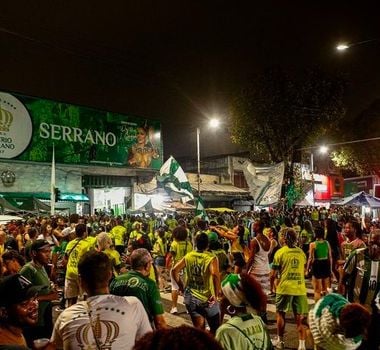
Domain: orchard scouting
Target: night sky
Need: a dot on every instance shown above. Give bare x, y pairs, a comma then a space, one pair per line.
180, 62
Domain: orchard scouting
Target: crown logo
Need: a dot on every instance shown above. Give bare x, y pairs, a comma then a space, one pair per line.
105, 332
6, 119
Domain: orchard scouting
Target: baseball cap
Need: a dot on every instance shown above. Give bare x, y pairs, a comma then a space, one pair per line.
15, 289
39, 244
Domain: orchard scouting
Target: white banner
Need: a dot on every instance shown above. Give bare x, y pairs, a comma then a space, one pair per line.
264, 182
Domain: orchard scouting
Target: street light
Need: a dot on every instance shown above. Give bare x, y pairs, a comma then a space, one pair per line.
324, 149
213, 123
344, 46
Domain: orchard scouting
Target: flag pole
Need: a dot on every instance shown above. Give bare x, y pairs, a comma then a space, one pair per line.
198, 163
52, 184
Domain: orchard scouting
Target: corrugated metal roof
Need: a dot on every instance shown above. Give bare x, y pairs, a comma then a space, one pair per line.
220, 189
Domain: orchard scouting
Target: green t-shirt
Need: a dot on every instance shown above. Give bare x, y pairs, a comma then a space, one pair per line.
38, 276
198, 277
61, 248
321, 250
135, 284
244, 332
118, 234
290, 262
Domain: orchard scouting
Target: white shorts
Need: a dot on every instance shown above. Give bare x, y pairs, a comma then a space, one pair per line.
72, 288
173, 282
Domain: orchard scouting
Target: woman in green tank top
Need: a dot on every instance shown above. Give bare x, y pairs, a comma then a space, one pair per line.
320, 263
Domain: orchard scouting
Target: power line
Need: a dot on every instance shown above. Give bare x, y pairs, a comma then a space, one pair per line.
340, 143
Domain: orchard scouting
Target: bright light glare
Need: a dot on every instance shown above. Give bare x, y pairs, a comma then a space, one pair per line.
323, 149
342, 47
214, 123
157, 135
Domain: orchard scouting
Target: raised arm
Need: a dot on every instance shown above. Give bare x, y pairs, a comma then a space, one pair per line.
223, 233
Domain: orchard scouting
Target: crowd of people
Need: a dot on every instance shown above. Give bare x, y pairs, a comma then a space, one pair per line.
103, 276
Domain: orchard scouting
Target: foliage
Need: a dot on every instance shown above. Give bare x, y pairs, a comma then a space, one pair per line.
297, 187
360, 158
278, 113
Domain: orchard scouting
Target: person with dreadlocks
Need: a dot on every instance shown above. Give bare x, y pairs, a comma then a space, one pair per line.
289, 268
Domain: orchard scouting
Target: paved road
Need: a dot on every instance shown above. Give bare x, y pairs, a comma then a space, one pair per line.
291, 335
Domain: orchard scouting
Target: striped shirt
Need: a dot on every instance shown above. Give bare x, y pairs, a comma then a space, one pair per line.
362, 278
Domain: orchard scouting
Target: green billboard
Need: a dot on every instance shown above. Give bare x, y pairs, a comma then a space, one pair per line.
30, 126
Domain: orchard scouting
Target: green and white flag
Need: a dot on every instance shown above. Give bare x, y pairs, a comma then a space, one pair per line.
173, 178
200, 211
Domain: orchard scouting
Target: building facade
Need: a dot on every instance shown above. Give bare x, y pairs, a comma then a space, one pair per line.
81, 151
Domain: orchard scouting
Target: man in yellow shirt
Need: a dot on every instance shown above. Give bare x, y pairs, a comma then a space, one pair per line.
74, 251
202, 284
118, 235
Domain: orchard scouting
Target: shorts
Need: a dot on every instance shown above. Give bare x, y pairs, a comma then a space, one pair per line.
238, 259
159, 261
72, 288
263, 280
295, 303
173, 282
197, 307
321, 269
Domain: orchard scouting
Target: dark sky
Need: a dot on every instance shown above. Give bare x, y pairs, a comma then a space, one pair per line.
180, 62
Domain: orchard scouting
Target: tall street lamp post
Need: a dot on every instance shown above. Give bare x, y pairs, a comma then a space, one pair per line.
323, 150
198, 163
213, 123
312, 176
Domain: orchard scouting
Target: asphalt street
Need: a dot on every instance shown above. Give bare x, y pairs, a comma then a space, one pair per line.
291, 335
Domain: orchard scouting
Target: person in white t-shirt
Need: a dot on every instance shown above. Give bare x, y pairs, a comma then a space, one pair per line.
103, 320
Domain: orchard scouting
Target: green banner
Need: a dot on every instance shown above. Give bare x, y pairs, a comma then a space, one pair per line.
29, 127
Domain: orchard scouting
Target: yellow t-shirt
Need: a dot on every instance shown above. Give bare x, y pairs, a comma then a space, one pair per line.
198, 276
266, 231
159, 248
91, 240
114, 256
135, 235
76, 253
290, 262
179, 249
172, 224
117, 234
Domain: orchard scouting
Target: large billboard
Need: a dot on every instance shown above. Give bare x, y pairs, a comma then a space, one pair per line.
29, 127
